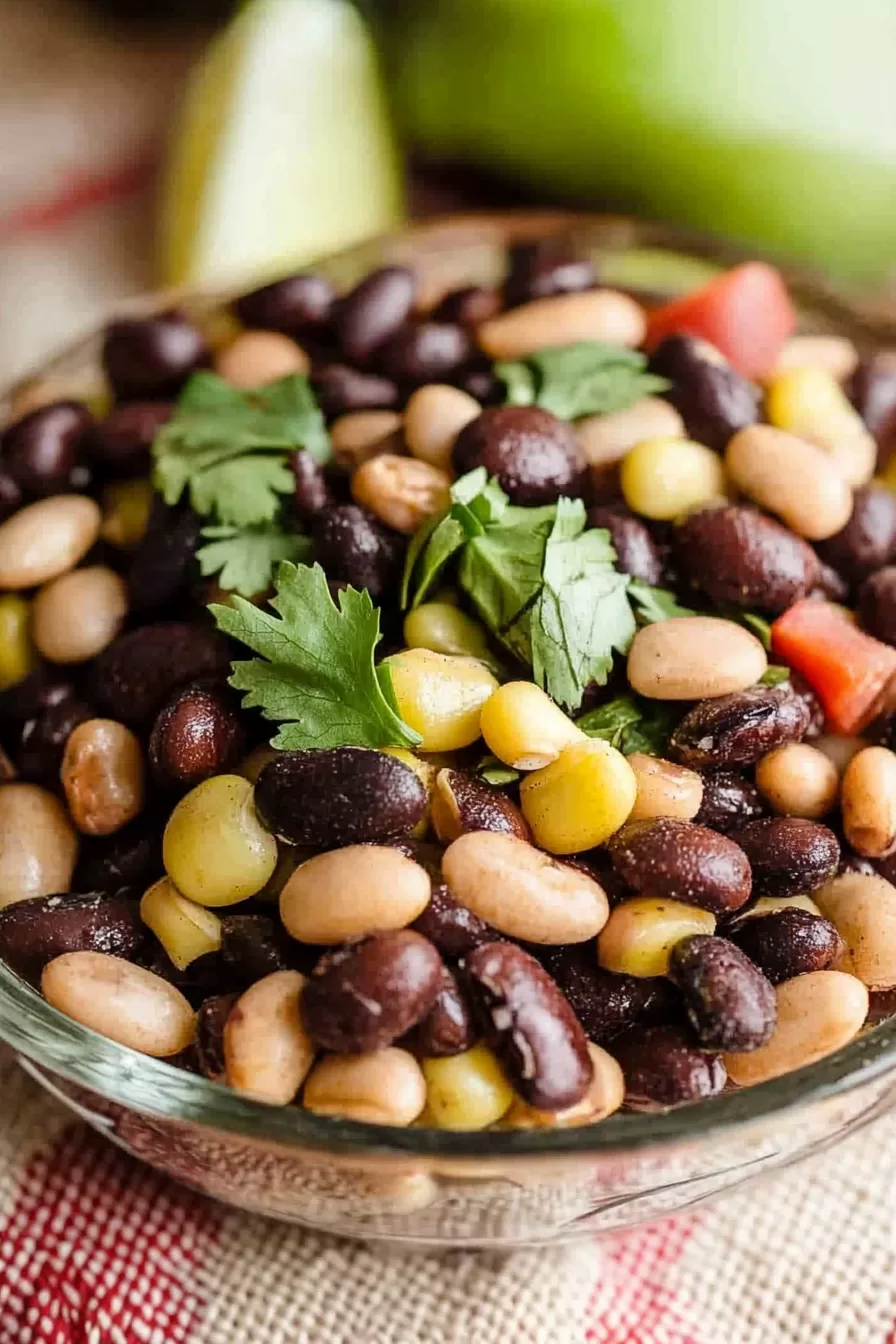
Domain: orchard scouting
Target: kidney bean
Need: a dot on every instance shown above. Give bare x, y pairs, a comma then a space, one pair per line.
43, 739
136, 673
145, 358
788, 942
606, 1002
209, 1042
425, 352
788, 855
874, 396
296, 305
312, 494
666, 1066
253, 946
692, 657
881, 1005
448, 1027
877, 604
340, 389
164, 564
34, 931
124, 1002
713, 399
267, 1051
47, 539
605, 1094
28, 698
41, 450
792, 478
682, 861
563, 319
374, 310
729, 1001
354, 546
799, 687
530, 1026
367, 994
120, 442
130, 857
535, 456
739, 556
537, 270
350, 892
482, 385
463, 803
10, 496
197, 733
739, 729
868, 540
831, 585
636, 551
450, 926
102, 775
469, 306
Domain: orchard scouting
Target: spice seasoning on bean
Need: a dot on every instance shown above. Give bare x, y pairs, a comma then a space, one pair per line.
666, 857
863, 910
730, 1003
462, 803
740, 728
35, 931
788, 942
736, 555
788, 855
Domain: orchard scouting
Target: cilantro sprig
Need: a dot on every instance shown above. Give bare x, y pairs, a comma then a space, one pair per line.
587, 378
631, 723
245, 558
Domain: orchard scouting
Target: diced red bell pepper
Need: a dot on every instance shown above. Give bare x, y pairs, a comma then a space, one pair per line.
746, 313
848, 670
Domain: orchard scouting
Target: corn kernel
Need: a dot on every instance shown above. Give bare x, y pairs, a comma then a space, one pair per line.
466, 1092
810, 403
664, 478
214, 848
524, 728
17, 655
426, 772
440, 696
581, 799
126, 506
444, 628
641, 933
185, 930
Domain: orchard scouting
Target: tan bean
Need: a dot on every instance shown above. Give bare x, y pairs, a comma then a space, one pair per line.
349, 892
75, 616
766, 905
259, 357
102, 775
664, 789
267, 1051
818, 1013
47, 539
589, 315
523, 892
605, 439
694, 658
839, 750
89, 387
383, 1087
605, 1095
401, 491
836, 355
358, 436
869, 801
124, 1002
433, 418
798, 780
790, 477
38, 844
862, 907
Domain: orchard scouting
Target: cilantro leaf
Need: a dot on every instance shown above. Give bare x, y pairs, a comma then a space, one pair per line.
759, 627
774, 675
587, 378
475, 503
315, 674
632, 724
501, 572
245, 558
243, 491
495, 772
655, 604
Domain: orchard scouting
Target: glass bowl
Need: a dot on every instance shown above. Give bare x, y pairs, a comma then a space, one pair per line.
419, 1186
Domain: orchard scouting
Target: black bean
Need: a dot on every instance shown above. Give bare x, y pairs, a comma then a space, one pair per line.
131, 857
354, 546
10, 496
34, 931
666, 1066
636, 551
340, 389
254, 946
450, 926
739, 556
535, 456
482, 385
367, 994
28, 698
679, 860
877, 604
831, 585
41, 450
425, 352
205, 976
789, 856
729, 801
209, 1043
164, 564
730, 1002
374, 310
537, 270
312, 494
296, 305
787, 942
463, 803
152, 357
712, 398
606, 1003
120, 443
197, 733
468, 306
530, 1026
881, 1005
43, 739
799, 687
448, 1028
739, 729
874, 396
868, 540
137, 672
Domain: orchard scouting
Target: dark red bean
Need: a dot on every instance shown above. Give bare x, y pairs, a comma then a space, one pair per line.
606, 1003
197, 733
448, 1028
374, 310
254, 946
450, 926
666, 1066
120, 442
636, 551
868, 540
339, 796
10, 496
312, 494
874, 396
354, 546
482, 385
209, 1043
296, 305
831, 585
535, 456
877, 604
712, 398
738, 556
789, 856
739, 729
881, 1005
730, 800
164, 564
799, 687
785, 943
205, 976
28, 698
537, 270
730, 1002
681, 861
463, 803
851, 862
425, 352
468, 306
131, 857
43, 739
530, 1026
139, 670
367, 994
152, 357
339, 389
41, 450
34, 931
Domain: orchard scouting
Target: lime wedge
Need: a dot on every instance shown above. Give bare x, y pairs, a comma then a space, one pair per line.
284, 150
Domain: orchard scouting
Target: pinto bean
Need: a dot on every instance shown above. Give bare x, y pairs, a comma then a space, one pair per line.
124, 1002
351, 892
562, 319
792, 478
863, 910
267, 1051
680, 860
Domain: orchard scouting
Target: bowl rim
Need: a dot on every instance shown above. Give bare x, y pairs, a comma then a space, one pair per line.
53, 1042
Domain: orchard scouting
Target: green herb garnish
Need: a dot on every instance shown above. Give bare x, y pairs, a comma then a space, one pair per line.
245, 558
588, 378
315, 674
655, 604
758, 625
495, 772
631, 723
774, 675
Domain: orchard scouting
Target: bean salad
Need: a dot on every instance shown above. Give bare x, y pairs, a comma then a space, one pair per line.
474, 717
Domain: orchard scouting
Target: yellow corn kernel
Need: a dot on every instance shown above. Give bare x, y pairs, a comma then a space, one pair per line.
664, 478
581, 799
444, 628
17, 656
768, 905
467, 1091
426, 772
126, 506
524, 728
641, 933
215, 849
440, 696
185, 930
810, 403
